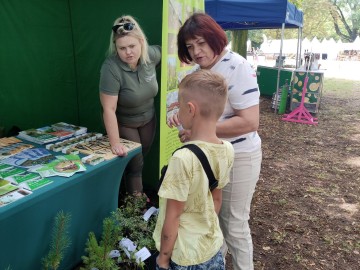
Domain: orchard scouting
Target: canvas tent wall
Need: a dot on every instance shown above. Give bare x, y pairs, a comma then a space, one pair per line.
257, 14
50, 58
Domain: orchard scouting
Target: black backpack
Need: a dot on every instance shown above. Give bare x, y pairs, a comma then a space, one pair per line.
213, 183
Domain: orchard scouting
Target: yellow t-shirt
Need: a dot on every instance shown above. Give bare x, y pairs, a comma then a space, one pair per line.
199, 235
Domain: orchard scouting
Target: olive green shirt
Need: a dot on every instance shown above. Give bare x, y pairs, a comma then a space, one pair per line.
135, 89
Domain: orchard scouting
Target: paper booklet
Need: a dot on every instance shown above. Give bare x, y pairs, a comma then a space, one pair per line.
11, 145
22, 178
65, 166
61, 134
30, 158
13, 196
37, 136
77, 130
101, 147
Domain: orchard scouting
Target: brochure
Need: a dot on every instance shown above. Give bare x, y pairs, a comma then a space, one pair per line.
35, 184
30, 158
11, 145
4, 167
77, 130
24, 177
11, 172
101, 147
61, 134
6, 187
66, 145
29, 180
13, 196
65, 166
37, 136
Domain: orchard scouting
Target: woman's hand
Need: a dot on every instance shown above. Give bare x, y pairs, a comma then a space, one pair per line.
173, 120
184, 135
119, 149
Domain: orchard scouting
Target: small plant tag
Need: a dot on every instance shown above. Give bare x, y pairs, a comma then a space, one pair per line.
151, 211
142, 254
127, 245
114, 254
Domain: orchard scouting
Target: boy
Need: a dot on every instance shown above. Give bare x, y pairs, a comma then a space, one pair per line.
187, 232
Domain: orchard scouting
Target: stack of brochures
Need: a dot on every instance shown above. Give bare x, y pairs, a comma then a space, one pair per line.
77, 130
37, 136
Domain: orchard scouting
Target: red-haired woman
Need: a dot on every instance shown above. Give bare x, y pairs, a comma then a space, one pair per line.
203, 42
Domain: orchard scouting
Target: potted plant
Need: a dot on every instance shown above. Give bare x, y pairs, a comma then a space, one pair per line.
59, 243
125, 233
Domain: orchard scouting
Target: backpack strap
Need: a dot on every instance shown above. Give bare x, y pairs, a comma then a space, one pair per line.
213, 183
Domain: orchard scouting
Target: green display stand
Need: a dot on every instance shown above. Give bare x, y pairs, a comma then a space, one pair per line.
313, 90
267, 79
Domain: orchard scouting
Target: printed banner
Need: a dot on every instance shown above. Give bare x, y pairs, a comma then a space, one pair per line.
175, 12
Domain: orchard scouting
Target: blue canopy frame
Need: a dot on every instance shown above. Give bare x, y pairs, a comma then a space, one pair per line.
254, 14
258, 14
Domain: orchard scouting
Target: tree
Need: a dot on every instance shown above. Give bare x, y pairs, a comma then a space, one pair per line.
317, 19
238, 41
346, 18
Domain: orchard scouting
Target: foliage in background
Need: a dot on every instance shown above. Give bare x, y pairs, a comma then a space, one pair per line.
59, 242
346, 18
239, 41
337, 19
126, 222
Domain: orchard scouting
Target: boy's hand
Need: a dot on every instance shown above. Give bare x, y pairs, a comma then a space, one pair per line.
162, 262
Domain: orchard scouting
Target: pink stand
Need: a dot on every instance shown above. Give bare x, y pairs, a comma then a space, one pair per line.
301, 114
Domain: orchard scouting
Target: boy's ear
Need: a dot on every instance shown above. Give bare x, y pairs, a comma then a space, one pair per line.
191, 107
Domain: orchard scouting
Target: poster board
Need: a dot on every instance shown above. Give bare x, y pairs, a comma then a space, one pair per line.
175, 13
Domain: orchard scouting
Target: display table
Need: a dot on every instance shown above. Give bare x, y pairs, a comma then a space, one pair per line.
313, 89
267, 79
26, 225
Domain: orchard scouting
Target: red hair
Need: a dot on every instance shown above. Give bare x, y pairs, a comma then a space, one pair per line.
202, 25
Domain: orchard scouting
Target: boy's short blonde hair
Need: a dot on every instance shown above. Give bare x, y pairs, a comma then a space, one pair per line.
208, 88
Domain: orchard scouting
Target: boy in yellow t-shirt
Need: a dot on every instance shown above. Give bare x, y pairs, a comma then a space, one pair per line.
187, 232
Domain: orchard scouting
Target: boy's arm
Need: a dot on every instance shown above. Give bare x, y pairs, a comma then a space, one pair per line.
169, 232
217, 198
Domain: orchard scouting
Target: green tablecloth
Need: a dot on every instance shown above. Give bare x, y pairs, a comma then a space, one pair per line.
89, 197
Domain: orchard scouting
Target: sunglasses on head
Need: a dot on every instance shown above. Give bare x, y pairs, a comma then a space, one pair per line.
125, 26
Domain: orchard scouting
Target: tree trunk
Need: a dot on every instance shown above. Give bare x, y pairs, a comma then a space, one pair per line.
239, 41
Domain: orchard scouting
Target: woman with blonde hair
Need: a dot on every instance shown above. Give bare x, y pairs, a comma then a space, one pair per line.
128, 86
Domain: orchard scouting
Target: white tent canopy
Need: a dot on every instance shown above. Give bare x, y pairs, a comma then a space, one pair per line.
328, 48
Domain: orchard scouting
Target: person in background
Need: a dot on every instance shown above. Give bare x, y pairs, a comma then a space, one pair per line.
128, 86
187, 232
203, 42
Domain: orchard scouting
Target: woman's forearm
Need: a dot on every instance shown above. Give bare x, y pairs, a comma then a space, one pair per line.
111, 126
243, 122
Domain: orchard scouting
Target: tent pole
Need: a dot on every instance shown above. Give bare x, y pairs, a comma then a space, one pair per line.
279, 67
299, 48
